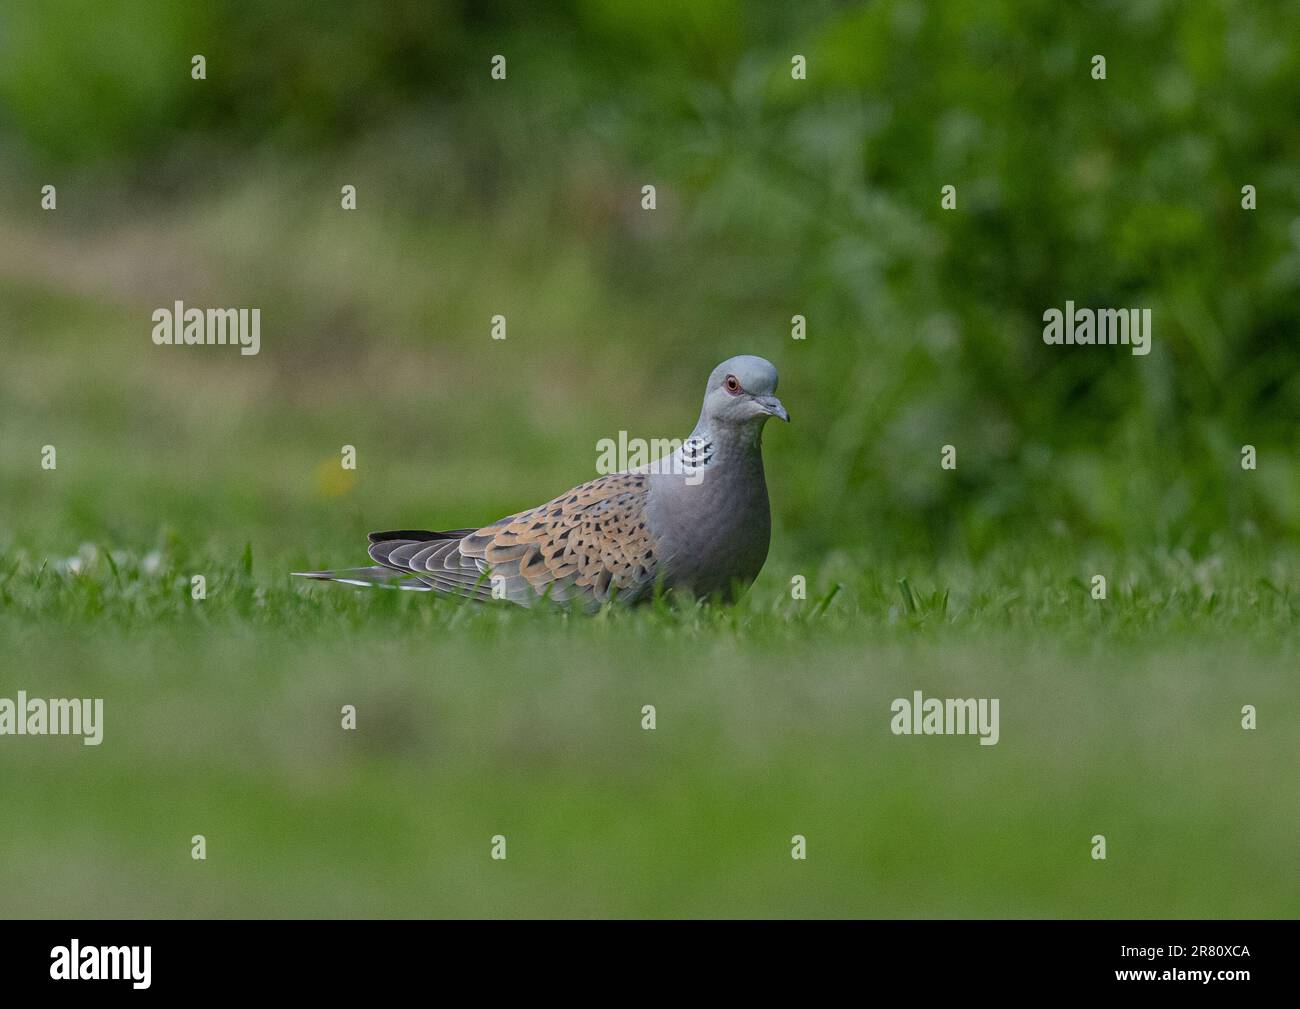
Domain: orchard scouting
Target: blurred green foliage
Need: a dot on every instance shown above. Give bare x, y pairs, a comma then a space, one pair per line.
818, 197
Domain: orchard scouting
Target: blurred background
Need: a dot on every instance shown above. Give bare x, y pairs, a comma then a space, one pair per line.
775, 197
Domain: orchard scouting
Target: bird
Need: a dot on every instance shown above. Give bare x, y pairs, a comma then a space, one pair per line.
697, 522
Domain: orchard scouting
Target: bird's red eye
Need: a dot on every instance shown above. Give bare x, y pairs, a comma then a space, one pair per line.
732, 384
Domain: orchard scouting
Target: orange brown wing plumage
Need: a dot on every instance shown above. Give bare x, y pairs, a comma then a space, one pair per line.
587, 545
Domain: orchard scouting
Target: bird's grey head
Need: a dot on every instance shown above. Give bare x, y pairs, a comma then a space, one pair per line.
742, 394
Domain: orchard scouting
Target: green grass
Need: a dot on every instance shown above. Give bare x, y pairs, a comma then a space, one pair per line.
222, 717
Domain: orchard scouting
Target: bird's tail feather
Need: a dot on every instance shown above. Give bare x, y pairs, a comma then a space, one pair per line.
377, 576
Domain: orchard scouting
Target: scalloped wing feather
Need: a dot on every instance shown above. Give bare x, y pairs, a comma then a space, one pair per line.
587, 545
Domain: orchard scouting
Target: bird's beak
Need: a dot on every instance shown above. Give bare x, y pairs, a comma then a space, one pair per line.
772, 405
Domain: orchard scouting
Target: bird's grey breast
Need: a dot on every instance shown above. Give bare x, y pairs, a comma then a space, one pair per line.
713, 523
